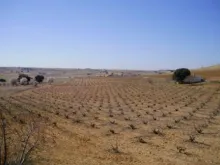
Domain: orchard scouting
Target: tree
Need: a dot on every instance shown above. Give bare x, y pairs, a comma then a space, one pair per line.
24, 76
39, 78
2, 80
180, 74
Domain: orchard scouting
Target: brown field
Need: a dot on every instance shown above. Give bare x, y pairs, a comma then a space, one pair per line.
126, 121
209, 74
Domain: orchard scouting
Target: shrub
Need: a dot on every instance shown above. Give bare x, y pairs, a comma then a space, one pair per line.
17, 148
50, 80
158, 131
192, 138
112, 131
115, 148
24, 76
23, 81
181, 149
2, 80
141, 140
93, 125
132, 126
39, 78
180, 74
169, 126
198, 129
14, 82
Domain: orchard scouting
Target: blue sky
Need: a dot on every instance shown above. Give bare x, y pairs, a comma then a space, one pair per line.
117, 34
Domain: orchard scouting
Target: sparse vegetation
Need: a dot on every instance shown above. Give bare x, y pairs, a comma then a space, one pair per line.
141, 140
115, 147
132, 126
158, 131
160, 114
169, 126
24, 76
2, 80
17, 146
198, 129
181, 149
192, 138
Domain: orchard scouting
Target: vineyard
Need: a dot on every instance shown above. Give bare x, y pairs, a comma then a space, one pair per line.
123, 121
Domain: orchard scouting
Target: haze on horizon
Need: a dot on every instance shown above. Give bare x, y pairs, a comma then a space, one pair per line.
111, 34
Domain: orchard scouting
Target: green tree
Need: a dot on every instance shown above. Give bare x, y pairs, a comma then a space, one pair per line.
39, 78
180, 74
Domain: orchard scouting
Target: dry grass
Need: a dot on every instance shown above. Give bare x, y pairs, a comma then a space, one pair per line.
208, 74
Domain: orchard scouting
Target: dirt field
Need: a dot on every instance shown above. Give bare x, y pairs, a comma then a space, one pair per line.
127, 121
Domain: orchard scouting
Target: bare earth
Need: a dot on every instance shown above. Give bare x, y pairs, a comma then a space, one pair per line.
88, 118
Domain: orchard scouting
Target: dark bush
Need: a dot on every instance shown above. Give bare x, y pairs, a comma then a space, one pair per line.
2, 80
180, 74
24, 76
39, 78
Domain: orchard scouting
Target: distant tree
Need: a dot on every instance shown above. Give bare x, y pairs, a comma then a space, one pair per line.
23, 81
2, 80
39, 78
180, 74
24, 76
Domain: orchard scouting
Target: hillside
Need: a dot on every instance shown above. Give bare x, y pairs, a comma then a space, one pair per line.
213, 67
211, 72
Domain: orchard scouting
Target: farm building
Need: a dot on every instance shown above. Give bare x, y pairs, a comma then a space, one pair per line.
193, 79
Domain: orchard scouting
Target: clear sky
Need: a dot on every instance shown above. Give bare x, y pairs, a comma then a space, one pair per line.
118, 34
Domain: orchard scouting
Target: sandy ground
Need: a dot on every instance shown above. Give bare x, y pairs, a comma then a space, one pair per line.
126, 121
